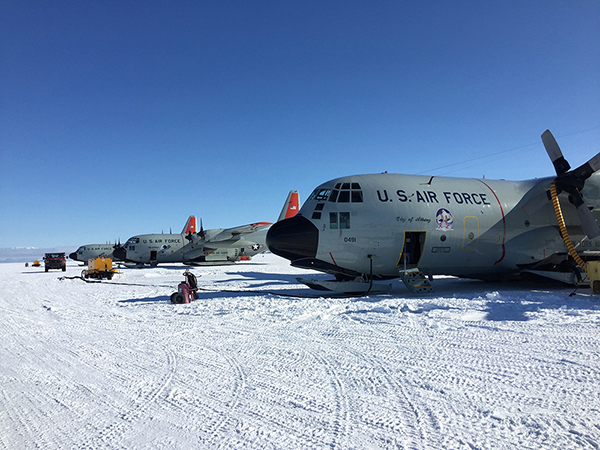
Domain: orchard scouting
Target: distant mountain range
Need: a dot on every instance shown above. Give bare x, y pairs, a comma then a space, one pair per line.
29, 254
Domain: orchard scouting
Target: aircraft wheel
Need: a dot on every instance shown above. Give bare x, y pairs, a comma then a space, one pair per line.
177, 297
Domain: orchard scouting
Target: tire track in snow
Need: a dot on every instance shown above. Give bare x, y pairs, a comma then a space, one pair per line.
217, 403
287, 377
108, 437
24, 397
341, 421
34, 427
410, 423
280, 400
274, 404
225, 419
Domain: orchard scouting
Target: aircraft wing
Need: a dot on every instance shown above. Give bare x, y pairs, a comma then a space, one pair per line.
236, 232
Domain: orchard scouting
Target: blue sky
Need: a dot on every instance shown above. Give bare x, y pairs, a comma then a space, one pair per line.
120, 118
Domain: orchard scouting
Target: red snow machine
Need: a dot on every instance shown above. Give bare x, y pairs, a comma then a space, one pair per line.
187, 290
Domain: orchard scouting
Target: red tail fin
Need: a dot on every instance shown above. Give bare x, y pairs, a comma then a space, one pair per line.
190, 226
291, 206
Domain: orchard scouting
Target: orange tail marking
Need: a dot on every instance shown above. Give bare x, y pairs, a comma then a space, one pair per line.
293, 206
190, 226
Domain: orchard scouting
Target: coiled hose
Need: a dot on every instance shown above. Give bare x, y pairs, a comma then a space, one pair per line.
563, 229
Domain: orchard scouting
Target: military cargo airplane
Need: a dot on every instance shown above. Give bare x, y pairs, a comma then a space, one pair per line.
203, 247
85, 252
381, 226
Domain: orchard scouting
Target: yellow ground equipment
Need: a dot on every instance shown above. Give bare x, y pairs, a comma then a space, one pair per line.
593, 273
36, 263
99, 267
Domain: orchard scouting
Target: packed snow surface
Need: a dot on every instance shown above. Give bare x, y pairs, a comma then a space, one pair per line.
261, 362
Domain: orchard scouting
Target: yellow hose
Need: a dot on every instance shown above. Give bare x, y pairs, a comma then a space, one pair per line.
563, 228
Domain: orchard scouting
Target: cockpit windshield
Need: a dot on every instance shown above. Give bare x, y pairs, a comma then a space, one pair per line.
320, 194
341, 193
131, 241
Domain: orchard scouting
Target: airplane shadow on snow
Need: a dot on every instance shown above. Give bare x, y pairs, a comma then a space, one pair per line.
277, 281
159, 299
508, 301
267, 278
514, 300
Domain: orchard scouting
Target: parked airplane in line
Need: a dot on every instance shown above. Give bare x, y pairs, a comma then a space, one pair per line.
383, 226
85, 252
203, 247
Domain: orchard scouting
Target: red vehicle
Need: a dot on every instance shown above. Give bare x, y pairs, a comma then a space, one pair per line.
186, 290
55, 261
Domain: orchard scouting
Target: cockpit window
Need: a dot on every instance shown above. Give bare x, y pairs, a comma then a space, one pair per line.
344, 197
357, 197
132, 241
341, 193
320, 194
350, 192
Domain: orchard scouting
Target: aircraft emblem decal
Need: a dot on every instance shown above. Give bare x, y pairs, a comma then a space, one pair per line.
255, 247
444, 219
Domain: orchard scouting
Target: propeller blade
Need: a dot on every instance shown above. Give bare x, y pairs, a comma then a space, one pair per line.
560, 163
201, 232
588, 222
586, 218
584, 171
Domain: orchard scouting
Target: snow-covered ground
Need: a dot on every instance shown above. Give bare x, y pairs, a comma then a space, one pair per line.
115, 365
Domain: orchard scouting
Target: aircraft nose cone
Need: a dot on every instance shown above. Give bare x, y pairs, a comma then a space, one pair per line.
120, 253
293, 238
73, 255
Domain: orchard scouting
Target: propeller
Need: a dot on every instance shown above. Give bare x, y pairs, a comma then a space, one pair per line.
572, 182
201, 232
117, 245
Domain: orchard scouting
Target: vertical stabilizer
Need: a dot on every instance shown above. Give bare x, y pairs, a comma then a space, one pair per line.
190, 226
290, 207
